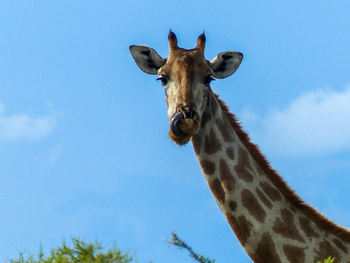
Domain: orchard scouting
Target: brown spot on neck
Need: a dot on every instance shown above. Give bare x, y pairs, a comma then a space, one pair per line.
252, 205
240, 226
207, 166
326, 250
340, 245
206, 117
217, 190
232, 205
211, 143
263, 198
266, 251
294, 254
225, 176
197, 143
306, 227
286, 227
270, 191
225, 130
230, 153
242, 166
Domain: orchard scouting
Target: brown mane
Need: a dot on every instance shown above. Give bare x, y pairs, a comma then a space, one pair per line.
320, 220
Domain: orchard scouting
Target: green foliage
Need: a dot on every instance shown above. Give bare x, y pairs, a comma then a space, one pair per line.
176, 241
79, 252
327, 260
82, 252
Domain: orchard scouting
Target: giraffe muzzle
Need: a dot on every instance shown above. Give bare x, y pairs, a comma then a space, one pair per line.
183, 125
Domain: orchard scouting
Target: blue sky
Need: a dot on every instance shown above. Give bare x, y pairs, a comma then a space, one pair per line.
84, 149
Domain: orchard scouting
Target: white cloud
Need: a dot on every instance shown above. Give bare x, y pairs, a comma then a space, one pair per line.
316, 122
23, 127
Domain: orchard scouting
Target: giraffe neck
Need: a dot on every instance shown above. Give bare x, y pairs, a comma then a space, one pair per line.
271, 222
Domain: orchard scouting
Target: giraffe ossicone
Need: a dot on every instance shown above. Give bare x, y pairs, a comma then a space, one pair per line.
269, 219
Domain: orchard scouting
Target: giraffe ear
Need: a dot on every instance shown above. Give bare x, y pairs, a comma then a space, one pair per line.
147, 59
226, 63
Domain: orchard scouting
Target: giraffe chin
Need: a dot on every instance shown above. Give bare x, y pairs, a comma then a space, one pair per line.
180, 140
188, 127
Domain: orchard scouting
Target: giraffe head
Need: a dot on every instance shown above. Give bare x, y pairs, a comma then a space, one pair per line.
186, 77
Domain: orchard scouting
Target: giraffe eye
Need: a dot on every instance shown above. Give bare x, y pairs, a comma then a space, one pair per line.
207, 80
163, 79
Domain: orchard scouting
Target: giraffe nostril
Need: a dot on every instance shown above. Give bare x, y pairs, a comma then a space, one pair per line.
189, 114
188, 111
175, 122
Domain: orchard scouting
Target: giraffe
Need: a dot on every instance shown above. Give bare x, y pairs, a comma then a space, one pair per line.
271, 222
